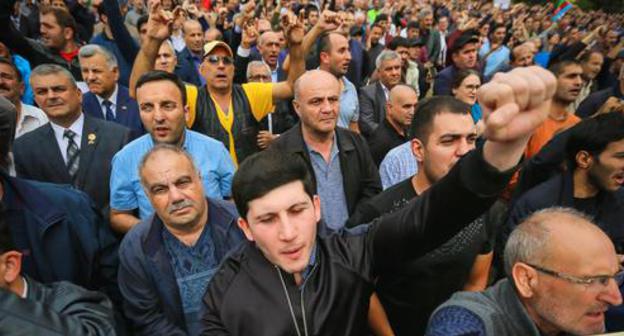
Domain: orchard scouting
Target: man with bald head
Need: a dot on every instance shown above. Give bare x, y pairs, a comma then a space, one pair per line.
562, 275
328, 149
521, 56
392, 131
269, 48
190, 57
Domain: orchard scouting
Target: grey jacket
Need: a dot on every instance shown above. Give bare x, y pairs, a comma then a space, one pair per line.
60, 308
498, 308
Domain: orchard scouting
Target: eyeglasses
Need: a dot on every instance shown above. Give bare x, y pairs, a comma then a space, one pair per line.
596, 282
214, 59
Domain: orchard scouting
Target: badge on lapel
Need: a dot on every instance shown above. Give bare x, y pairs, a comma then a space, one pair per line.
91, 138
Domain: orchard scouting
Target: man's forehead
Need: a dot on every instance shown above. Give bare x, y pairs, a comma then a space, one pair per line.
452, 123
49, 80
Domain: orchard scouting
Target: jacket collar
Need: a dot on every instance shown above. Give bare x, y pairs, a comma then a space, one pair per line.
296, 144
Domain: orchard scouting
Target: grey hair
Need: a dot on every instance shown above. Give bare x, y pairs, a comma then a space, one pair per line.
386, 55
170, 44
91, 50
254, 64
52, 69
424, 12
528, 241
163, 147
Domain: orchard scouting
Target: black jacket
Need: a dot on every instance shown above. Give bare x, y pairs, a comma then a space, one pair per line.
248, 297
372, 108
360, 176
559, 191
60, 308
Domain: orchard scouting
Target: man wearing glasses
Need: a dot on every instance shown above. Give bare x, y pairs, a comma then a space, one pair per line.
562, 276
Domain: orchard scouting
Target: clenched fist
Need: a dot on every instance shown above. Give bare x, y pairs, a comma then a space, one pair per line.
516, 103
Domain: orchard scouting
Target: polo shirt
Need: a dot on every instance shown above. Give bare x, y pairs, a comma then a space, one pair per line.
209, 155
349, 104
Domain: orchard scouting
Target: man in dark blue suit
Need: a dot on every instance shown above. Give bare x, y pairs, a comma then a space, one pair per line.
60, 235
107, 99
73, 148
190, 57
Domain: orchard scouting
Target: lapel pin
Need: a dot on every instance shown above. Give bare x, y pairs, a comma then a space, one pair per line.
123, 107
91, 137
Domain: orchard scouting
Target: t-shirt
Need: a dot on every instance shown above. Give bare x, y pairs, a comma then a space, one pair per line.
410, 295
547, 131
260, 97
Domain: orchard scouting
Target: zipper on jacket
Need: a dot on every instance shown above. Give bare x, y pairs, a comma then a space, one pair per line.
290, 305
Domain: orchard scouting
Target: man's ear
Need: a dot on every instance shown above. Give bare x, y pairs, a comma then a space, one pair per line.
418, 149
11, 266
525, 279
316, 201
68, 33
244, 226
584, 160
296, 106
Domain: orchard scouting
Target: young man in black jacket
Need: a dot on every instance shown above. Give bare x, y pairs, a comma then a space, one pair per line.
288, 279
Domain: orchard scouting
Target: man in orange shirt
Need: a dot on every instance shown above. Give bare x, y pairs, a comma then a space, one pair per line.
569, 83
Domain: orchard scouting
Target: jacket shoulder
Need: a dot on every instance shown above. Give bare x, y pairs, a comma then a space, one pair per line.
29, 139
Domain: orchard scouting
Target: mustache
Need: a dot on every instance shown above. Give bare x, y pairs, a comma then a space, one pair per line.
180, 205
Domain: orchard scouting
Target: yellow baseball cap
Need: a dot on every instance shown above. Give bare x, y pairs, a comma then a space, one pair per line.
212, 45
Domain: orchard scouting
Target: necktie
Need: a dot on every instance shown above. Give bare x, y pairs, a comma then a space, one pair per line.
109, 111
73, 153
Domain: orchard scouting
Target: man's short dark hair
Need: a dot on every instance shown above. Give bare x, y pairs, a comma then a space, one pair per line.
158, 75
265, 171
593, 135
413, 24
63, 18
18, 75
398, 41
309, 9
558, 67
427, 109
8, 119
141, 21
381, 17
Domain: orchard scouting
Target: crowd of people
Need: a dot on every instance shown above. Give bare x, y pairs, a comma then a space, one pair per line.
343, 167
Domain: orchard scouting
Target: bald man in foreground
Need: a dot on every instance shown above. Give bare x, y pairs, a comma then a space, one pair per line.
562, 275
321, 284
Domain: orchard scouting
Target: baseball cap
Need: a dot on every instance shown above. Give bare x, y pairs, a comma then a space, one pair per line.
212, 45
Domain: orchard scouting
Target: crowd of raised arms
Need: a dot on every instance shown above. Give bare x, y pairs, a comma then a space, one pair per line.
311, 167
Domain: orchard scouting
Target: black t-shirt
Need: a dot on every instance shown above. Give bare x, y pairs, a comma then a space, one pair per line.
383, 140
410, 296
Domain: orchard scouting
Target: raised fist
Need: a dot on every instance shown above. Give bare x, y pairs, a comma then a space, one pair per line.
516, 103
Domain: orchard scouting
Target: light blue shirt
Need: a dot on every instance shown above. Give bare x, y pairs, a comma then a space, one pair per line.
495, 61
330, 187
398, 165
209, 156
349, 104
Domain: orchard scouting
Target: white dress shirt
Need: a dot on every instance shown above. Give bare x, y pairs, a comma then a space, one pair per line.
30, 118
112, 99
62, 141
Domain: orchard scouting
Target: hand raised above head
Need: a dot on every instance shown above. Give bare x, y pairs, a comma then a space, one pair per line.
516, 103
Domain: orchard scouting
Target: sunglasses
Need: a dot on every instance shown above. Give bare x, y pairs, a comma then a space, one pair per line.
214, 59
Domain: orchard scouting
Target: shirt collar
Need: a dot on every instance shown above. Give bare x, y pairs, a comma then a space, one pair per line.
311, 263
25, 292
112, 98
76, 127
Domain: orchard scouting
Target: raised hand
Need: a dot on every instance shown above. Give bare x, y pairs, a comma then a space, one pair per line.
329, 21
293, 26
516, 103
250, 33
159, 24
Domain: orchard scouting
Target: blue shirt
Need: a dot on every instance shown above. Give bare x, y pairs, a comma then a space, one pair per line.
209, 155
398, 165
349, 104
330, 187
193, 268
495, 60
476, 113
454, 320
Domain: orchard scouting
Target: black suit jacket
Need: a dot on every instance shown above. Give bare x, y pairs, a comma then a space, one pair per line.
38, 157
372, 108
